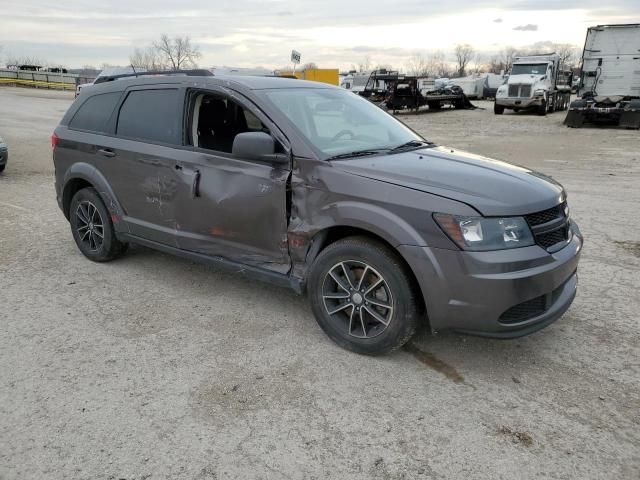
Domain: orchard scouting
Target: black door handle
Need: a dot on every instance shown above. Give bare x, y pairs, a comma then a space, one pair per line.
107, 152
195, 186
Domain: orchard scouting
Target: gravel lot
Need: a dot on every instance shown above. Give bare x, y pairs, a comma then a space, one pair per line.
154, 367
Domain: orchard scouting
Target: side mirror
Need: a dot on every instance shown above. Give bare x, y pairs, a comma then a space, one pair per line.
257, 146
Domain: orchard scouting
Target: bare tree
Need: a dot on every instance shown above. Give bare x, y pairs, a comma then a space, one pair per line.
310, 66
147, 59
417, 66
437, 65
177, 52
506, 57
569, 54
477, 64
24, 60
464, 53
365, 64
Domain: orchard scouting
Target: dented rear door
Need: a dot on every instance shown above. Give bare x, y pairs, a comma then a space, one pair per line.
140, 163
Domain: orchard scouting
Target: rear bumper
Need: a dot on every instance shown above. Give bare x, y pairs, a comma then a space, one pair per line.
476, 292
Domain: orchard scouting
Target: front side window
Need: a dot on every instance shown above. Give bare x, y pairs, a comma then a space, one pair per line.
94, 114
337, 122
154, 115
217, 120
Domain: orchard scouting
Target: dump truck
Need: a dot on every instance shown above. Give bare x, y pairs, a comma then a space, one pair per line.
609, 87
536, 82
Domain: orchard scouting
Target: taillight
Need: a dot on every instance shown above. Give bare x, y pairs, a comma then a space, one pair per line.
54, 140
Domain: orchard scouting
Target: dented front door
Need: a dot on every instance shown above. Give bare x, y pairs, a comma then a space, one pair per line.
235, 209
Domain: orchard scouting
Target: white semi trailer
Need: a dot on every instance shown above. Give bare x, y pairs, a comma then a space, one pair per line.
609, 87
535, 82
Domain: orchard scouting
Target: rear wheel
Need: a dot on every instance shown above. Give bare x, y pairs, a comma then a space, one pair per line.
498, 109
92, 228
362, 296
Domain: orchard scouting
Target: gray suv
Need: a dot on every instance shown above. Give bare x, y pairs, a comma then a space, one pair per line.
308, 186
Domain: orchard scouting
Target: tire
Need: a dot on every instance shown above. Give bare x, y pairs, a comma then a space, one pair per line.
498, 109
542, 109
2, 167
349, 311
89, 217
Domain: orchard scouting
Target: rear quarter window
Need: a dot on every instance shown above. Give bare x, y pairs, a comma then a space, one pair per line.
153, 115
94, 114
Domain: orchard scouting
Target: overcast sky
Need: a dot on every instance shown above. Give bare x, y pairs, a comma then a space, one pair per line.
332, 33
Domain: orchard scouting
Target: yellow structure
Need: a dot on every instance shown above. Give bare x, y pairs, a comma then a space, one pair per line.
324, 75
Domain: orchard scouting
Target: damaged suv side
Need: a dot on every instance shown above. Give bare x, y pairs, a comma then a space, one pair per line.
311, 187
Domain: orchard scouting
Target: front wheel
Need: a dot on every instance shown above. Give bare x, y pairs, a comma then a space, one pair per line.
498, 109
363, 297
542, 109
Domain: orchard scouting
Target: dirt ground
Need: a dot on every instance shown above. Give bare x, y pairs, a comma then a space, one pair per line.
154, 367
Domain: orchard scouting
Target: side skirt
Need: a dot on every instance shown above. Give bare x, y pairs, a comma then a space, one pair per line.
255, 273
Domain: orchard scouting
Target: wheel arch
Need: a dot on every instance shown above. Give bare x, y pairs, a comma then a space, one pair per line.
330, 235
83, 175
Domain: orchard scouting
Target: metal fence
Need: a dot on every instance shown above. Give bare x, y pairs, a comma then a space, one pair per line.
59, 81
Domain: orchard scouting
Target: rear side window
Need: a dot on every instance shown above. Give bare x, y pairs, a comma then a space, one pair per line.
93, 115
154, 115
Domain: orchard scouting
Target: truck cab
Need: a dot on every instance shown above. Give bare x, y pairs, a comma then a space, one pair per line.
535, 82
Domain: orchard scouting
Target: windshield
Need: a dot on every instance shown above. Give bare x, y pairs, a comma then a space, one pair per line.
338, 122
529, 69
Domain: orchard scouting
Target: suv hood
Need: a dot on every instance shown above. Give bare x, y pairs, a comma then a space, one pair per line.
492, 187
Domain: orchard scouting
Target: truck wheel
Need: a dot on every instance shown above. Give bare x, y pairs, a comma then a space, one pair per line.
362, 296
498, 109
542, 109
92, 228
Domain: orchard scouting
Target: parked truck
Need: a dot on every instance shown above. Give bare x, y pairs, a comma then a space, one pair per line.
609, 87
535, 82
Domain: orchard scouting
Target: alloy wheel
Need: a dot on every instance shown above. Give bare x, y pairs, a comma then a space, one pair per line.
90, 227
357, 299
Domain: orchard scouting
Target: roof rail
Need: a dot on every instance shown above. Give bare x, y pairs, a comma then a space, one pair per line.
187, 73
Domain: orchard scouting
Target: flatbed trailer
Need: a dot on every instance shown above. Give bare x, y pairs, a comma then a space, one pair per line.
407, 94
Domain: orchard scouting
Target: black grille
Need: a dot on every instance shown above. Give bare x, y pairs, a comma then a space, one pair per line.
525, 91
550, 227
545, 216
513, 90
546, 240
525, 310
532, 308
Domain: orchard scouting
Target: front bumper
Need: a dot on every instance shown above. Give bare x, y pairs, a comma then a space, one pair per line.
517, 102
477, 292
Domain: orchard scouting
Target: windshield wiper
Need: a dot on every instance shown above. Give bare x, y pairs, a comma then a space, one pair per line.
411, 145
357, 153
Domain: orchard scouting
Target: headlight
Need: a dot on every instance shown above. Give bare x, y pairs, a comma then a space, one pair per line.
539, 93
481, 233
